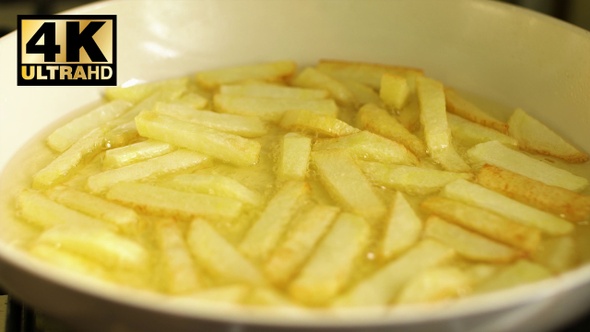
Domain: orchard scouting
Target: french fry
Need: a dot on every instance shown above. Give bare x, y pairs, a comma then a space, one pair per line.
403, 228
315, 124
474, 194
310, 77
138, 92
433, 117
229, 148
394, 90
497, 154
165, 164
98, 243
273, 91
271, 109
173, 203
365, 145
60, 168
409, 116
219, 258
132, 153
470, 133
246, 126
307, 229
94, 206
460, 106
519, 273
294, 156
468, 244
363, 72
215, 184
264, 235
436, 284
363, 94
558, 254
69, 260
382, 286
377, 120
409, 179
328, 269
65, 136
562, 202
40, 210
176, 263
346, 183
485, 222
269, 71
534, 136
193, 100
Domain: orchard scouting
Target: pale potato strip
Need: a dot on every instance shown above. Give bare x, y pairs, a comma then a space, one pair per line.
562, 202
328, 269
316, 124
465, 109
69, 260
168, 163
377, 120
132, 153
63, 165
94, 206
394, 90
294, 156
271, 109
468, 244
215, 184
470, 133
273, 91
63, 137
363, 72
227, 147
409, 179
382, 287
403, 228
497, 154
485, 222
310, 77
307, 229
482, 197
436, 284
138, 92
264, 235
268, 71
521, 272
218, 257
559, 254
346, 183
169, 202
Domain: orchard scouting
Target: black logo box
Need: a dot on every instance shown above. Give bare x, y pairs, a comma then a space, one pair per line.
96, 71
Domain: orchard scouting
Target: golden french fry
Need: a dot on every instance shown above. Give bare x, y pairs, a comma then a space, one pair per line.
215, 184
382, 286
264, 235
470, 133
94, 206
460, 106
436, 284
165, 164
409, 179
60, 168
328, 269
246, 126
294, 156
65, 136
519, 273
218, 257
534, 136
409, 116
180, 274
562, 202
468, 244
132, 153
474, 194
269, 71
433, 117
226, 147
271, 109
497, 154
394, 90
169, 202
315, 124
310, 77
365, 145
402, 229
273, 91
485, 222
377, 120
306, 230
346, 183
363, 72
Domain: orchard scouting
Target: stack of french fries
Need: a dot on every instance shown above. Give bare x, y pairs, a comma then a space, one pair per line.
343, 184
